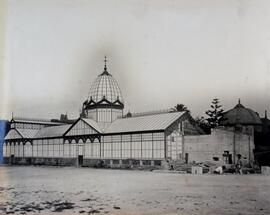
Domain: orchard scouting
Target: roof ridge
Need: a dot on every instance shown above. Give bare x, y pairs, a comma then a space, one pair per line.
153, 112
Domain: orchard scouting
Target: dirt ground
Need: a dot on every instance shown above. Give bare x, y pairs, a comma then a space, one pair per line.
70, 190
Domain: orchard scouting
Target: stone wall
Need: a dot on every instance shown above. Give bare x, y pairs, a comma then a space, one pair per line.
212, 147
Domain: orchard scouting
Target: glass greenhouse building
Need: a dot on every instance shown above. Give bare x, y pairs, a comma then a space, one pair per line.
102, 135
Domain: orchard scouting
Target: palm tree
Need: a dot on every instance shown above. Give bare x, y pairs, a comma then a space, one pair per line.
180, 108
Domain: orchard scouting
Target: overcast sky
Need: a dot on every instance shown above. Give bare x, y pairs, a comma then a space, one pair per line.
160, 52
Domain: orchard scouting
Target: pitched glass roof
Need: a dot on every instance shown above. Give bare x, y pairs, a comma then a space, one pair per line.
28, 133
144, 123
92, 123
52, 131
13, 134
17, 133
123, 125
36, 121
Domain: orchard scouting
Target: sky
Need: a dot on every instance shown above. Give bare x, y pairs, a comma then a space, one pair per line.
160, 52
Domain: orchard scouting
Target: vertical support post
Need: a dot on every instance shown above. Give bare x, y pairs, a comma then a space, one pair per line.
111, 147
234, 146
165, 145
183, 141
63, 148
121, 147
32, 145
111, 115
152, 145
141, 147
52, 147
99, 140
131, 145
249, 154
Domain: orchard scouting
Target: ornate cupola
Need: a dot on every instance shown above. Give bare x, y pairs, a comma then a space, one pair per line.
105, 102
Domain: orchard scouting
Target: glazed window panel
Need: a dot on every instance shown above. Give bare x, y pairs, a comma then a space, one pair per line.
5, 150
88, 149
136, 137
147, 149
96, 149
136, 149
126, 138
50, 148
28, 150
158, 149
73, 150
39, 148
62, 149
158, 136
66, 149
12, 149
56, 150
125, 149
35, 149
8, 150
16, 149
107, 149
147, 137
45, 148
116, 138
92, 114
116, 147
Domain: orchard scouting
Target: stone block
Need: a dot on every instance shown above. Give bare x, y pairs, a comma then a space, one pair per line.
196, 170
265, 170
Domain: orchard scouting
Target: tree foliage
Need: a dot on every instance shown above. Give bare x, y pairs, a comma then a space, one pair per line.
180, 108
203, 124
214, 114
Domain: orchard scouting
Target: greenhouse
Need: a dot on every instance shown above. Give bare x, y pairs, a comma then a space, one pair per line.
101, 135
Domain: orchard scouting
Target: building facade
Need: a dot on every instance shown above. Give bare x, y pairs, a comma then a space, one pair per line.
102, 135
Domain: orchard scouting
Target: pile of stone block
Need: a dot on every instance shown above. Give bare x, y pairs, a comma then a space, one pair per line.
265, 170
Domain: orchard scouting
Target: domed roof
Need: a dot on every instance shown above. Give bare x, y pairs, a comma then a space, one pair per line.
240, 115
105, 87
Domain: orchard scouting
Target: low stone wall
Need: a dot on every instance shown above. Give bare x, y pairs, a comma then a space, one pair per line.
122, 163
87, 162
41, 161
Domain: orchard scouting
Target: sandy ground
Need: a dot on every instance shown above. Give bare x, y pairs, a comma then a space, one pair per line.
70, 190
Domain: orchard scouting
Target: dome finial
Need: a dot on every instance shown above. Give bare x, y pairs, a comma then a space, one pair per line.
105, 63
239, 101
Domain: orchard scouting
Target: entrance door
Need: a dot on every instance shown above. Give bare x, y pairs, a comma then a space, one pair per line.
186, 158
80, 160
12, 159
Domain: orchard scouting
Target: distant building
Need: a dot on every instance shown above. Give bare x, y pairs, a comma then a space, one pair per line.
242, 119
234, 137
